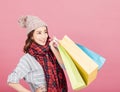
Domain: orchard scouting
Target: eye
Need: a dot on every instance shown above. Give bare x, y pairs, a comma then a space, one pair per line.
38, 32
46, 32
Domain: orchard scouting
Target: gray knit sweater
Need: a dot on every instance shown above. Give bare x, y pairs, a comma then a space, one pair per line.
30, 70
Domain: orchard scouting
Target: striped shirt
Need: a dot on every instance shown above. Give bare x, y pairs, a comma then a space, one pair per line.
29, 69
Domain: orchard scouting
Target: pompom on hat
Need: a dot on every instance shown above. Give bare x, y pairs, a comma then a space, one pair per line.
31, 22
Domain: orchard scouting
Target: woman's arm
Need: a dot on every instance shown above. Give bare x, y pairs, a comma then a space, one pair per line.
57, 54
54, 44
38, 90
18, 87
19, 73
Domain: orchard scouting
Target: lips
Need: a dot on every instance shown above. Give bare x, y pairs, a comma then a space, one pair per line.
43, 41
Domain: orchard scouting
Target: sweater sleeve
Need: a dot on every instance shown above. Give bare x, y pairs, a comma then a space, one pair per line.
19, 72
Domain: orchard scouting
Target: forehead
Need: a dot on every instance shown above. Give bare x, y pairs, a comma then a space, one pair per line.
41, 29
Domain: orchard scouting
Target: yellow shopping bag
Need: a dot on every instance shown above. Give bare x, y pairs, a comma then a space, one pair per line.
86, 66
75, 77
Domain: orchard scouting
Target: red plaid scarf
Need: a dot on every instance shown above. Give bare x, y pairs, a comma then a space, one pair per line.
54, 75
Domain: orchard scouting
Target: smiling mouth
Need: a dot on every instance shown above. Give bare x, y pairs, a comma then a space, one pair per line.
42, 41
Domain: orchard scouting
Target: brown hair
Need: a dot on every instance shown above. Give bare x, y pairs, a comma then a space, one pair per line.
28, 41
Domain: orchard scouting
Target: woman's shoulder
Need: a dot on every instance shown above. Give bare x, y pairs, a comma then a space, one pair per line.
30, 60
27, 57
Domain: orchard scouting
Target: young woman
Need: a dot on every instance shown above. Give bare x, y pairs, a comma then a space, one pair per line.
41, 65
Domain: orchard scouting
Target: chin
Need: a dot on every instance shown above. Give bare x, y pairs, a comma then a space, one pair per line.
42, 43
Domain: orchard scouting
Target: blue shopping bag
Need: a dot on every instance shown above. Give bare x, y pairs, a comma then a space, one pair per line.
94, 56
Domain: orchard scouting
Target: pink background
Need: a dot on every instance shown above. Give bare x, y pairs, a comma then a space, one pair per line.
93, 23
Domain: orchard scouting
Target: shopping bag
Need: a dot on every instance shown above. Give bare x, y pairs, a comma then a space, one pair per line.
73, 74
94, 56
86, 66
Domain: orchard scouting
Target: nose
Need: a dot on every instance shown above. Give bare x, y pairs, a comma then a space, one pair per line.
44, 36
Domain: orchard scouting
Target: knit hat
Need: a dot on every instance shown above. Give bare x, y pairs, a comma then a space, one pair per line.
31, 22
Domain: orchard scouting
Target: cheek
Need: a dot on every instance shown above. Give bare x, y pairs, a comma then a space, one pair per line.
35, 37
46, 35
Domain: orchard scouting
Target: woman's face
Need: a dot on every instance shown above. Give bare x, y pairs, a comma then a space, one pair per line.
40, 35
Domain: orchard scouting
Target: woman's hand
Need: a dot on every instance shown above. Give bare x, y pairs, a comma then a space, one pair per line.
41, 89
54, 42
18, 87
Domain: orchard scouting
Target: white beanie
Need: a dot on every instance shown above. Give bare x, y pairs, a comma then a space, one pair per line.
31, 22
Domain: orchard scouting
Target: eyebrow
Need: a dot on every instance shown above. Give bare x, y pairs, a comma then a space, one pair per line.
41, 30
